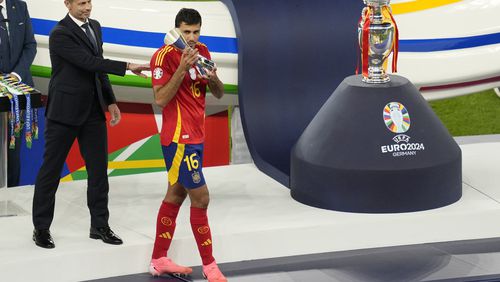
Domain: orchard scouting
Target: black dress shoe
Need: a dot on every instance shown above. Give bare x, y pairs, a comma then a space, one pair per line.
106, 235
43, 239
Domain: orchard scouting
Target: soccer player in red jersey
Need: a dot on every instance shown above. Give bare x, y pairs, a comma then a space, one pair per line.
180, 90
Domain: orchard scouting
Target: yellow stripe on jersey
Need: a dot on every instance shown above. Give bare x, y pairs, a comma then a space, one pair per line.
157, 61
201, 44
177, 133
159, 57
162, 55
173, 173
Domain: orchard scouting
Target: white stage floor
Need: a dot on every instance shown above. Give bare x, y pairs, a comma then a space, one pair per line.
251, 216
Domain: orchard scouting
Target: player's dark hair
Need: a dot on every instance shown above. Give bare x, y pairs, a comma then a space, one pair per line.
188, 16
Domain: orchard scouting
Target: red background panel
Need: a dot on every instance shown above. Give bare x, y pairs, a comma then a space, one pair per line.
217, 147
138, 122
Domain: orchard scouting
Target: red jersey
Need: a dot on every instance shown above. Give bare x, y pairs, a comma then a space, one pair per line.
184, 116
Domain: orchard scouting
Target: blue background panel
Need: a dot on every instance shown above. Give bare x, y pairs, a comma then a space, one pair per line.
290, 61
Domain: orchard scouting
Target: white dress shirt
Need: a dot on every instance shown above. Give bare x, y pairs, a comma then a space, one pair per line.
4, 13
80, 23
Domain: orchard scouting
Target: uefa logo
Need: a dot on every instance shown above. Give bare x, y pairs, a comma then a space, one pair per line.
396, 117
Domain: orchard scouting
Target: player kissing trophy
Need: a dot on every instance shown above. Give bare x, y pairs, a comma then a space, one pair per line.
376, 146
174, 37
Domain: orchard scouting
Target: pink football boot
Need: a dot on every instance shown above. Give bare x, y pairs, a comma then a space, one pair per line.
163, 265
212, 273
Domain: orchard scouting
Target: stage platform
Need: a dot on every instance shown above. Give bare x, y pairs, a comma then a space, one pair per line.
257, 225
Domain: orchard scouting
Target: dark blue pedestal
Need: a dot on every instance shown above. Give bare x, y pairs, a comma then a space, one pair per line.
352, 157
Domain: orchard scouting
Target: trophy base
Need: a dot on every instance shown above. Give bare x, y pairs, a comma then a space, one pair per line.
351, 158
376, 80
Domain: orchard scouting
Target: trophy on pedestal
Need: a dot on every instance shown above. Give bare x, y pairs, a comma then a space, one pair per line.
174, 37
376, 146
378, 36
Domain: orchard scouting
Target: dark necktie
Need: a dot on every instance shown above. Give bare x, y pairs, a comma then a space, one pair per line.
2, 19
89, 35
4, 45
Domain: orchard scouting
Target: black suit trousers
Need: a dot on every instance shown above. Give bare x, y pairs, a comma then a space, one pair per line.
92, 140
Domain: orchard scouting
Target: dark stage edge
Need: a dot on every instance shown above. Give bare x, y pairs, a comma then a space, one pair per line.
445, 262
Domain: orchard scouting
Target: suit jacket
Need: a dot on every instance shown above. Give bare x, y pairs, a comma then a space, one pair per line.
79, 72
22, 41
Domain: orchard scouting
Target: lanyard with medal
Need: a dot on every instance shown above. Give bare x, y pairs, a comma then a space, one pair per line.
28, 124
15, 113
11, 82
5, 92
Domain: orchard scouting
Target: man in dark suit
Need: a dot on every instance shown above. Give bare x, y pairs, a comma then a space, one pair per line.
79, 89
17, 51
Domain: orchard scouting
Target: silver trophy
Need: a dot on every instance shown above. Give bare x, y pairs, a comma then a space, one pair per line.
377, 34
174, 37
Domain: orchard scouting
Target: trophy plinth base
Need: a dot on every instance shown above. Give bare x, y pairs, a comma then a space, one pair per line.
352, 156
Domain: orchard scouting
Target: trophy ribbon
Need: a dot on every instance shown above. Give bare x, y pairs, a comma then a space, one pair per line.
395, 50
365, 39
359, 51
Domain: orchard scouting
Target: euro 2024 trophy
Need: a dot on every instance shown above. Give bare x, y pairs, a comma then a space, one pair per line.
378, 36
376, 146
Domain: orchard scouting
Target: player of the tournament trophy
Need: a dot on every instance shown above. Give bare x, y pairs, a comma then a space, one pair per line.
174, 37
376, 146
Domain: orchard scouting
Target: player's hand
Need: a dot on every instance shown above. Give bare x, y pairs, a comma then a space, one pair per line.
211, 75
188, 58
115, 114
137, 69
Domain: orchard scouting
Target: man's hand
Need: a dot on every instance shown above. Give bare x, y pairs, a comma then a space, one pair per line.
216, 86
115, 114
188, 58
138, 68
211, 75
